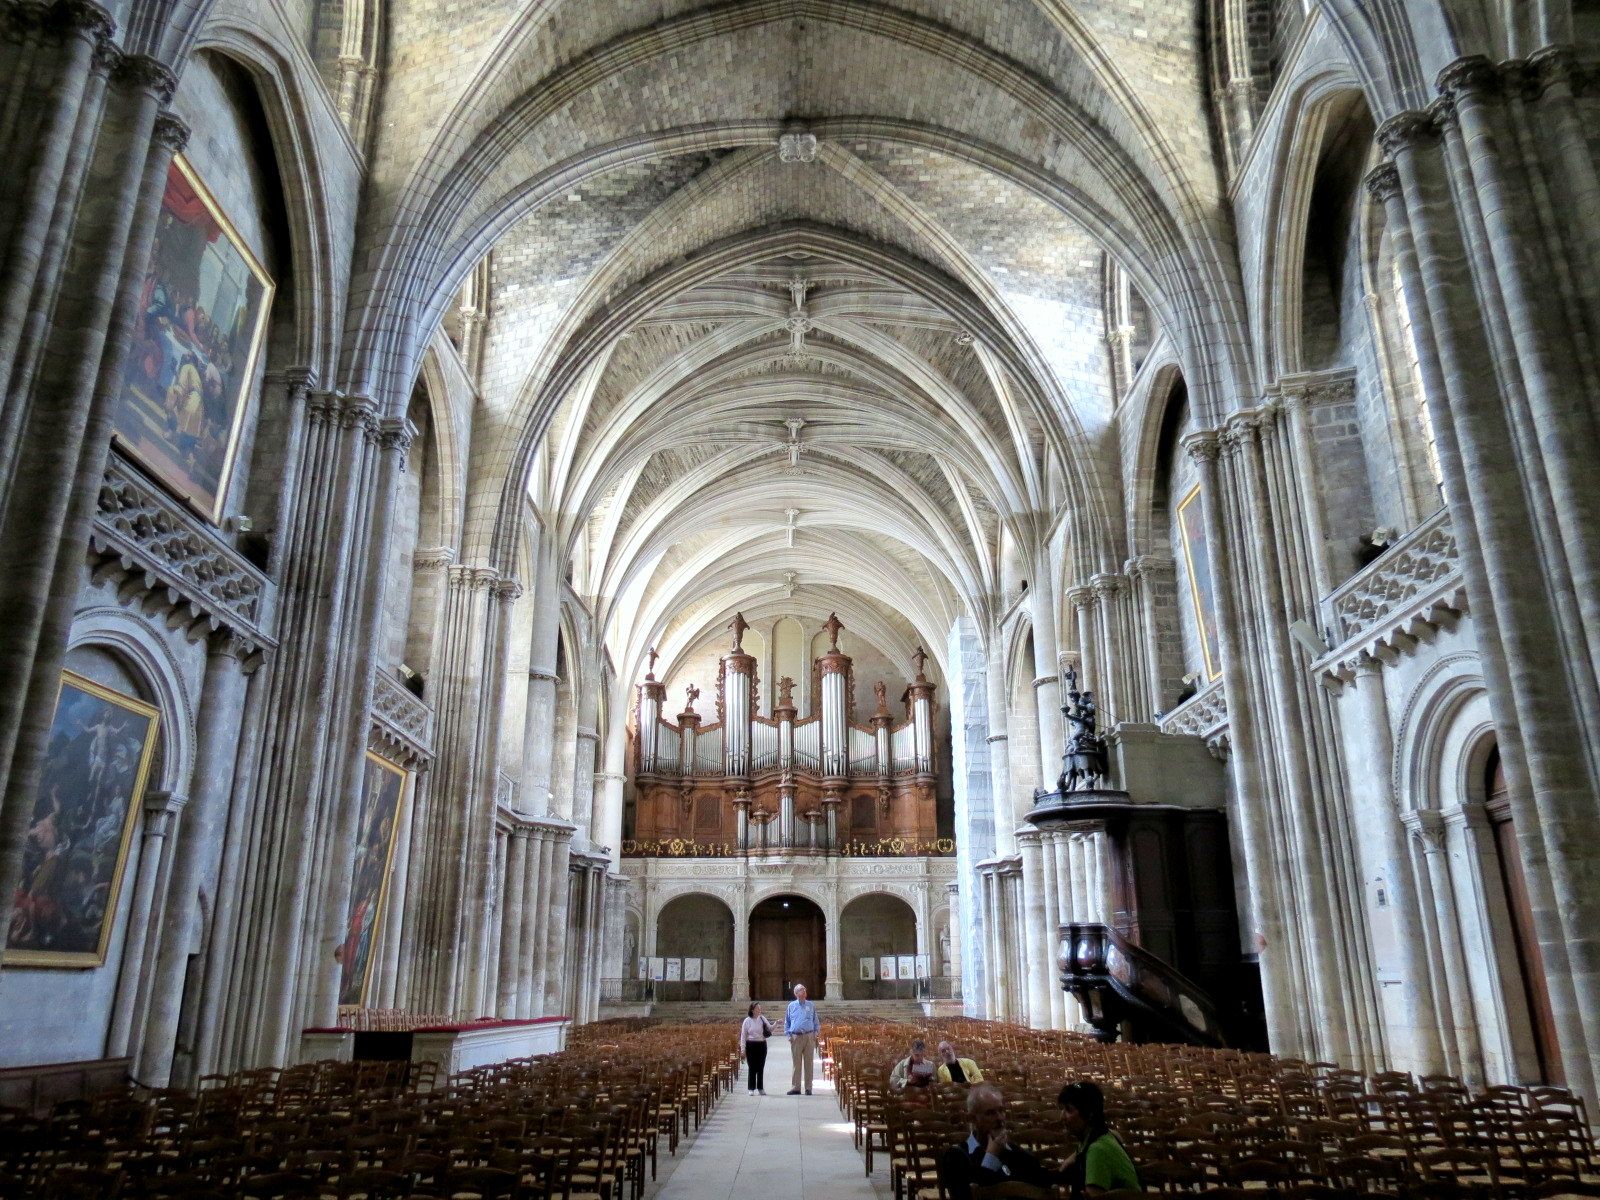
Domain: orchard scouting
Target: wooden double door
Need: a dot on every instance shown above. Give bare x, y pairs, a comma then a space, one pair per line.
786, 947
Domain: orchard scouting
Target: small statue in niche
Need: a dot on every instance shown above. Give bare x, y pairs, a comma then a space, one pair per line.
786, 692
1083, 766
881, 691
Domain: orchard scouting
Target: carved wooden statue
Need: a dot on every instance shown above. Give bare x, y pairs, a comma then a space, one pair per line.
1083, 766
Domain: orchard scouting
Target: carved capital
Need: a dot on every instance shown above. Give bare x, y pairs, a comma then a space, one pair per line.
322, 407
1107, 585
170, 133
81, 17
1383, 183
1472, 77
147, 74
397, 433
1141, 565
1203, 446
433, 558
1080, 595
105, 58
507, 591
1427, 825
1558, 66
1444, 115
1406, 131
225, 643
360, 412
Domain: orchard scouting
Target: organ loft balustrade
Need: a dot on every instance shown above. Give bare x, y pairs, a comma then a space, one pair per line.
822, 784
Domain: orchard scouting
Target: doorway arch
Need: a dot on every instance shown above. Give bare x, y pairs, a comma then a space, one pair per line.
696, 928
787, 946
873, 927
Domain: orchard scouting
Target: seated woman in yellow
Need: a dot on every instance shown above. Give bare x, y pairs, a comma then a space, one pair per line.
953, 1069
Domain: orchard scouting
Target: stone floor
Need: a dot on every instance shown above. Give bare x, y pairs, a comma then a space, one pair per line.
772, 1147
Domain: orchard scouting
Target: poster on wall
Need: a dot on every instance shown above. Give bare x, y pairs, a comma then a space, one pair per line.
658, 969
869, 968
691, 970
383, 788
674, 970
75, 847
924, 967
1197, 562
888, 967
201, 319
908, 966
644, 968
708, 970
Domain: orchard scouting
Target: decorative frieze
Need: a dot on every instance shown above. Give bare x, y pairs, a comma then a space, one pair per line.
1205, 714
402, 717
159, 551
1403, 597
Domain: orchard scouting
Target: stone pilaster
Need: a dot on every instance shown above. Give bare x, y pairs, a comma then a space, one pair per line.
1488, 197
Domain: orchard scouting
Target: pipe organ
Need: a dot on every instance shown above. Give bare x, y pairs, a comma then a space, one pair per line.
786, 785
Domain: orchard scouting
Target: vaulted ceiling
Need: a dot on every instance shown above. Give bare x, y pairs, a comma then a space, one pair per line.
799, 303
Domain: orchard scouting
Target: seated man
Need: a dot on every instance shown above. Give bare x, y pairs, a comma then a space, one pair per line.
956, 1070
987, 1157
913, 1071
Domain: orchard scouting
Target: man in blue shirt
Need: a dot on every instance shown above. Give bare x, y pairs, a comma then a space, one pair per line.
801, 1025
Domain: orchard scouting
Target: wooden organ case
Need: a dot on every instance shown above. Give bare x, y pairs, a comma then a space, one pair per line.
821, 784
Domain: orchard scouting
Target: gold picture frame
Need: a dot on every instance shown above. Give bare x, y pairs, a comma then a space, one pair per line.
97, 764
197, 338
1202, 584
385, 791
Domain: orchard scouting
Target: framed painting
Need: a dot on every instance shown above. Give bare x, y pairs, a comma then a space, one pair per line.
708, 970
76, 847
383, 791
200, 323
1197, 563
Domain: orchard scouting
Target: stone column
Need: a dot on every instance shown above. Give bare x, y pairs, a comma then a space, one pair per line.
1428, 826
741, 952
552, 859
539, 733
161, 809
1035, 945
1050, 926
1286, 1032
511, 921
834, 984
1386, 863
954, 891
530, 948
558, 888
974, 802
1046, 682
1005, 815
198, 846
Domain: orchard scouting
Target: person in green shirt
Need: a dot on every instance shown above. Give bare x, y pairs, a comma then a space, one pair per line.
1100, 1164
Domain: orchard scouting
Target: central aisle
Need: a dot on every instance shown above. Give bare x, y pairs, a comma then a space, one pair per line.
773, 1147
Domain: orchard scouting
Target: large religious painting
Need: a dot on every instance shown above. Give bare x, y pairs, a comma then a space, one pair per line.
76, 847
382, 794
202, 313
1197, 561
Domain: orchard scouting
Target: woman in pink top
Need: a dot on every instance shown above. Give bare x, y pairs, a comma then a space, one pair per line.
753, 1035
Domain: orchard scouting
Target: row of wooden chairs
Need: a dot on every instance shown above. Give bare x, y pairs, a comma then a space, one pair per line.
585, 1124
1200, 1121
